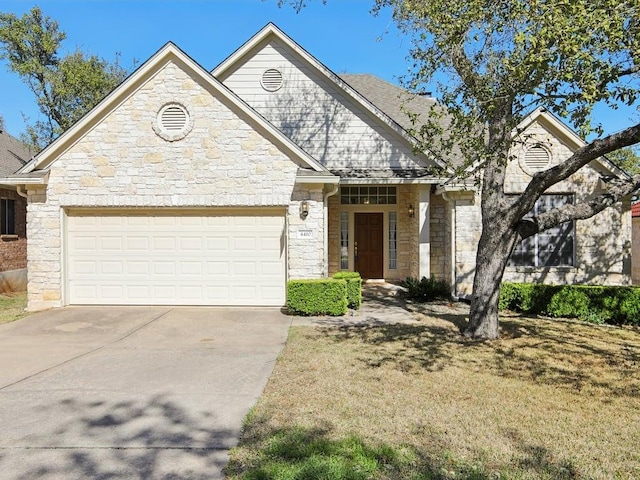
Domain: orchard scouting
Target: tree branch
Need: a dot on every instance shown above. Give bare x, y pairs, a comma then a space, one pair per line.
542, 181
618, 189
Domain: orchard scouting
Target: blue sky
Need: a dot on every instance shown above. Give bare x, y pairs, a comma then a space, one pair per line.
342, 34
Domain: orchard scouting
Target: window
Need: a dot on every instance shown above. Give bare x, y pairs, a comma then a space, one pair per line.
551, 248
344, 240
7, 217
368, 195
393, 241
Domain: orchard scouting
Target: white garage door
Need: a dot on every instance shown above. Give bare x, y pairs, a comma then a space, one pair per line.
139, 259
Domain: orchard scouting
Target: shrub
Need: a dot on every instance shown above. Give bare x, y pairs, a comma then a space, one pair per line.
324, 296
425, 289
596, 304
354, 288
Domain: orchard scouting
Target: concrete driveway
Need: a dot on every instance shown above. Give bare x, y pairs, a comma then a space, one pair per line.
131, 393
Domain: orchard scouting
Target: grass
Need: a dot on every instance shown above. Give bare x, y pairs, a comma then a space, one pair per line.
549, 400
12, 307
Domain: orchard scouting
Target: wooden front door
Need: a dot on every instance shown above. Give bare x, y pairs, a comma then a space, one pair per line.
368, 246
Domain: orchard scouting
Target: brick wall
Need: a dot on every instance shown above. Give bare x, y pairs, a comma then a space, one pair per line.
13, 248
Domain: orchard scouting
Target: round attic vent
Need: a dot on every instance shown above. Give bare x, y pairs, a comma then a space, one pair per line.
271, 80
537, 158
173, 122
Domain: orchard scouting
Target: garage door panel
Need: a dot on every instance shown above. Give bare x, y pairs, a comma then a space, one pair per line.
172, 260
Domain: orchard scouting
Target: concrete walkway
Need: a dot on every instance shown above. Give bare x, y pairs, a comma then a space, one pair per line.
382, 305
131, 393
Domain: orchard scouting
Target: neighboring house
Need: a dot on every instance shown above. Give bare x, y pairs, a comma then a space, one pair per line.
13, 212
635, 247
196, 188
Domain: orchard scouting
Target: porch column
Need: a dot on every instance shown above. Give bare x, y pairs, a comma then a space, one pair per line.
424, 234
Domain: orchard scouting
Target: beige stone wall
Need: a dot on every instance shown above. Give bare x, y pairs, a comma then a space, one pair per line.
122, 163
440, 237
602, 243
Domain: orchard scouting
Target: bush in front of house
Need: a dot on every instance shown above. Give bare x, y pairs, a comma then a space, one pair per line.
597, 304
425, 289
354, 288
323, 296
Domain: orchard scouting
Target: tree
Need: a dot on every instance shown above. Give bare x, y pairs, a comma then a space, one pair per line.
627, 159
65, 87
499, 60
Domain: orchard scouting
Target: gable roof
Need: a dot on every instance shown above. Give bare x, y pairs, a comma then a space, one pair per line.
566, 134
227, 67
168, 53
13, 154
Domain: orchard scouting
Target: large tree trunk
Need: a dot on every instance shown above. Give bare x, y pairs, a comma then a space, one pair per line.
493, 254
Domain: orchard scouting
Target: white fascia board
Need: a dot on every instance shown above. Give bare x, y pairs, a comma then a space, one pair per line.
135, 81
271, 29
311, 179
458, 187
14, 181
391, 181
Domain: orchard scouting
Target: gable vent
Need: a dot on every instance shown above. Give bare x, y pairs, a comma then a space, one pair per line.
537, 158
173, 122
271, 80
173, 118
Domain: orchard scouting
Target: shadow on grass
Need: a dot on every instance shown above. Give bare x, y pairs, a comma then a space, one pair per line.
566, 354
297, 453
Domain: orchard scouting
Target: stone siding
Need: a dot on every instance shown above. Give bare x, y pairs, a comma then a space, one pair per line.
13, 248
602, 243
440, 238
122, 163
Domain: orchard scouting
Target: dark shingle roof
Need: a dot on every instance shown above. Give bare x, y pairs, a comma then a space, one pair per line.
13, 154
396, 102
390, 98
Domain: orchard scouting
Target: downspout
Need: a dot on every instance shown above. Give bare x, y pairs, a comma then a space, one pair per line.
452, 204
326, 227
20, 191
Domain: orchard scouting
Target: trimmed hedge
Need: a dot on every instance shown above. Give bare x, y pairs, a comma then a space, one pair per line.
597, 304
354, 288
323, 296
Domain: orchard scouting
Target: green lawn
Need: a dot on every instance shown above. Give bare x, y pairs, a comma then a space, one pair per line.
12, 307
549, 400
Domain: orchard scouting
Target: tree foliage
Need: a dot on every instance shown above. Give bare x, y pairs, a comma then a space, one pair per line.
500, 61
626, 158
66, 86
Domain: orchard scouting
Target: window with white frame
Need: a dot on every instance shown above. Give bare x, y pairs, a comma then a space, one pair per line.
393, 240
368, 195
344, 240
551, 248
7, 217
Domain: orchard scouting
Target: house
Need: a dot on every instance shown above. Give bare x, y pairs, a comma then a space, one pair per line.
189, 187
635, 247
13, 213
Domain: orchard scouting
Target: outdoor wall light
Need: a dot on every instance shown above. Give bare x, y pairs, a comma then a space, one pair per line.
411, 211
304, 209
